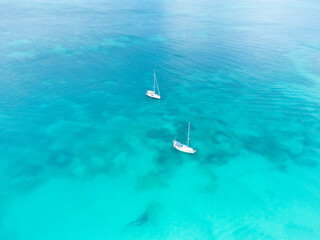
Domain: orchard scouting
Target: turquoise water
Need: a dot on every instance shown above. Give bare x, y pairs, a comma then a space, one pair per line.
86, 155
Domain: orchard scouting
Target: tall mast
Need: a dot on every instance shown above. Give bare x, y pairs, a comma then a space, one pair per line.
154, 81
188, 134
158, 86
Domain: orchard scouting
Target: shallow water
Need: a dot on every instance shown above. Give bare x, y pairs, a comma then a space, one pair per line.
86, 155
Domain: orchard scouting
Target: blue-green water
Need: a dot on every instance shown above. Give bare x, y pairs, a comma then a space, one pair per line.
84, 154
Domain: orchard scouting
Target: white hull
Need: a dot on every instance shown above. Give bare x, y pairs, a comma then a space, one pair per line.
183, 148
152, 94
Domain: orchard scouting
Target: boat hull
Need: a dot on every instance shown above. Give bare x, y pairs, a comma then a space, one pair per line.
183, 148
152, 94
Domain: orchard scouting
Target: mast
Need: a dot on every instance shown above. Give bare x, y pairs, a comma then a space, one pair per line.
188, 134
154, 81
157, 86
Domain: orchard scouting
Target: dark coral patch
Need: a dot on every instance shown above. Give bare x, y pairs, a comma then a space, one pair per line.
60, 159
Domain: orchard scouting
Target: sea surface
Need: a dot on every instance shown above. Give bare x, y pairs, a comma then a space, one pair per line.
86, 155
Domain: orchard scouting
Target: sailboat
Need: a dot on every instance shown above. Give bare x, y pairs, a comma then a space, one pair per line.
151, 93
182, 147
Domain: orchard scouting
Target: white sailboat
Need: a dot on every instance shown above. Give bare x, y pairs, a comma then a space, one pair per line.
151, 93
182, 147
